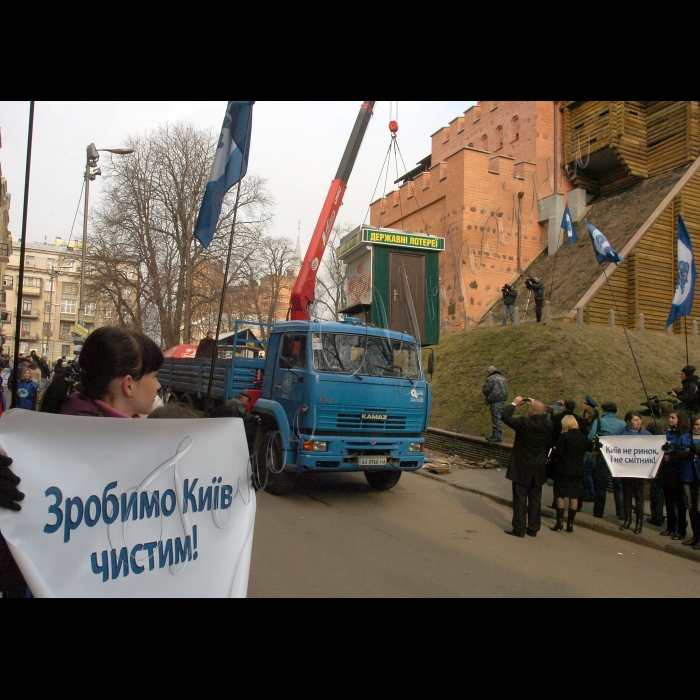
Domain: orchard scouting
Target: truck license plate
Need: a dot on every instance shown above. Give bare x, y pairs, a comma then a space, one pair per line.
371, 461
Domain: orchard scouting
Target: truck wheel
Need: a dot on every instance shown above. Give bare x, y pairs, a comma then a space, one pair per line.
270, 463
173, 398
384, 480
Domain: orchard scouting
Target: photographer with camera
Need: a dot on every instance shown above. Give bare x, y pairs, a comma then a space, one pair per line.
536, 285
689, 396
528, 464
632, 486
509, 297
676, 456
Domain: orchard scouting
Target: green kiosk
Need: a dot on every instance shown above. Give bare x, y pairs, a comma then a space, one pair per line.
393, 280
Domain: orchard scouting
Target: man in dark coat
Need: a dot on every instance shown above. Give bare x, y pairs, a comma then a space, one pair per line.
207, 347
527, 465
662, 410
510, 295
536, 285
689, 395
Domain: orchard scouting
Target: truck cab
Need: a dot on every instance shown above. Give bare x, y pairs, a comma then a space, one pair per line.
341, 396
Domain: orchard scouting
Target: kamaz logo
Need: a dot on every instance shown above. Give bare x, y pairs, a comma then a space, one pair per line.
374, 416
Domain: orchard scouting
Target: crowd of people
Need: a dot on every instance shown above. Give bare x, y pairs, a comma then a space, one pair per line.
554, 442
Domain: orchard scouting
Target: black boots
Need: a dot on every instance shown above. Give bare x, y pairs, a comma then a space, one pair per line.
560, 520
638, 525
570, 523
628, 521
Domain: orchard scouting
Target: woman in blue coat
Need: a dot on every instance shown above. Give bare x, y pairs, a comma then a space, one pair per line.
690, 477
674, 463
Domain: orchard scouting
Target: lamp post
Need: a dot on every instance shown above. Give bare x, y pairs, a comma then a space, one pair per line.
91, 172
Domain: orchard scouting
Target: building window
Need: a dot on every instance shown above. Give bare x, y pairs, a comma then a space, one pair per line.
47, 326
68, 306
515, 128
48, 285
26, 326
106, 313
27, 305
499, 137
70, 288
127, 293
65, 331
7, 282
6, 316
484, 143
68, 265
47, 307
65, 350
89, 309
29, 261
32, 282
50, 264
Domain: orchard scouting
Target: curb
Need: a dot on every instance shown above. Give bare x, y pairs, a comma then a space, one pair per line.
582, 520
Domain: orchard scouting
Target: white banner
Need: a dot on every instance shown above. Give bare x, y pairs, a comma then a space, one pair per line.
636, 456
130, 508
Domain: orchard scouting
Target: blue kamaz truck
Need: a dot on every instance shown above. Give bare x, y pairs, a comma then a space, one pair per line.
334, 397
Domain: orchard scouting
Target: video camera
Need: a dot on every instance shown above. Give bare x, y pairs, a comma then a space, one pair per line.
652, 405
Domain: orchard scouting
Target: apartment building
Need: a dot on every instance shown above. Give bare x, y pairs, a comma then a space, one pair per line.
5, 236
50, 299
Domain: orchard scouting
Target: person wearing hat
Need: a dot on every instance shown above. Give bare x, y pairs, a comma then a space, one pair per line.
207, 347
240, 404
688, 395
496, 392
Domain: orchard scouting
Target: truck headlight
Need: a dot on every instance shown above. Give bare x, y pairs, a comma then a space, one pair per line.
416, 447
316, 446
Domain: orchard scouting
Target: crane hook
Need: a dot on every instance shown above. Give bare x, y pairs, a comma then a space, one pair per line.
393, 127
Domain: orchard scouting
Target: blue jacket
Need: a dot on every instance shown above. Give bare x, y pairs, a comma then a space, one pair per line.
627, 431
609, 425
690, 474
677, 464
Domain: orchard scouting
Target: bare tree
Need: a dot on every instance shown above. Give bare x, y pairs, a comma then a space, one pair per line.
144, 226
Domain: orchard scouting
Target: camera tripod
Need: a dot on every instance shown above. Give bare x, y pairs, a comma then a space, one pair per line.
527, 303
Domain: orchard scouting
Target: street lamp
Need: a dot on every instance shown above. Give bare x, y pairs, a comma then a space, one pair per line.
91, 172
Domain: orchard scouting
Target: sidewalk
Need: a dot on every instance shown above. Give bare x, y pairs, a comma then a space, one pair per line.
492, 483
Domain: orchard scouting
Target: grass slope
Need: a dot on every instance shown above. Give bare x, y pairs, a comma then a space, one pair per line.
565, 360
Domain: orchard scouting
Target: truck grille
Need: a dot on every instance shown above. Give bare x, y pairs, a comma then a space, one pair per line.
356, 419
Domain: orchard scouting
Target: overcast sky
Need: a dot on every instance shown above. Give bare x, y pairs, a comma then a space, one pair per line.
296, 146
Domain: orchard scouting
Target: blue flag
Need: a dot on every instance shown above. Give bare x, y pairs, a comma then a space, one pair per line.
229, 166
603, 249
685, 286
568, 225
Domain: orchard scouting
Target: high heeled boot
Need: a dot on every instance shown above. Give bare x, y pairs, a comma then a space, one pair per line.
570, 522
560, 521
638, 524
628, 521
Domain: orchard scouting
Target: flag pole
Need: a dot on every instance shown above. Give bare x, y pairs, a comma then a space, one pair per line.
685, 328
629, 342
225, 280
20, 281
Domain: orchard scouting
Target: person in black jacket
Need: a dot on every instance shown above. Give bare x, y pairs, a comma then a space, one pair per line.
536, 285
528, 461
207, 347
509, 297
689, 395
568, 470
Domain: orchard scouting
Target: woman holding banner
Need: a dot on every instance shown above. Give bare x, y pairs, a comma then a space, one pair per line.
632, 486
690, 478
116, 378
674, 464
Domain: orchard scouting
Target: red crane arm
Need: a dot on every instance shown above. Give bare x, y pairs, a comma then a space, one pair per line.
304, 291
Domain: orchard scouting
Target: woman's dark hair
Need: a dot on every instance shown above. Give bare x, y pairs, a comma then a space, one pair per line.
632, 414
108, 353
683, 422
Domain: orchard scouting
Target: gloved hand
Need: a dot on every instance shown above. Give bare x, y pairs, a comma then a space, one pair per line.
9, 493
666, 446
694, 448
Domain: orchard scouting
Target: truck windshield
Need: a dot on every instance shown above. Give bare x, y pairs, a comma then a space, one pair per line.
374, 356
